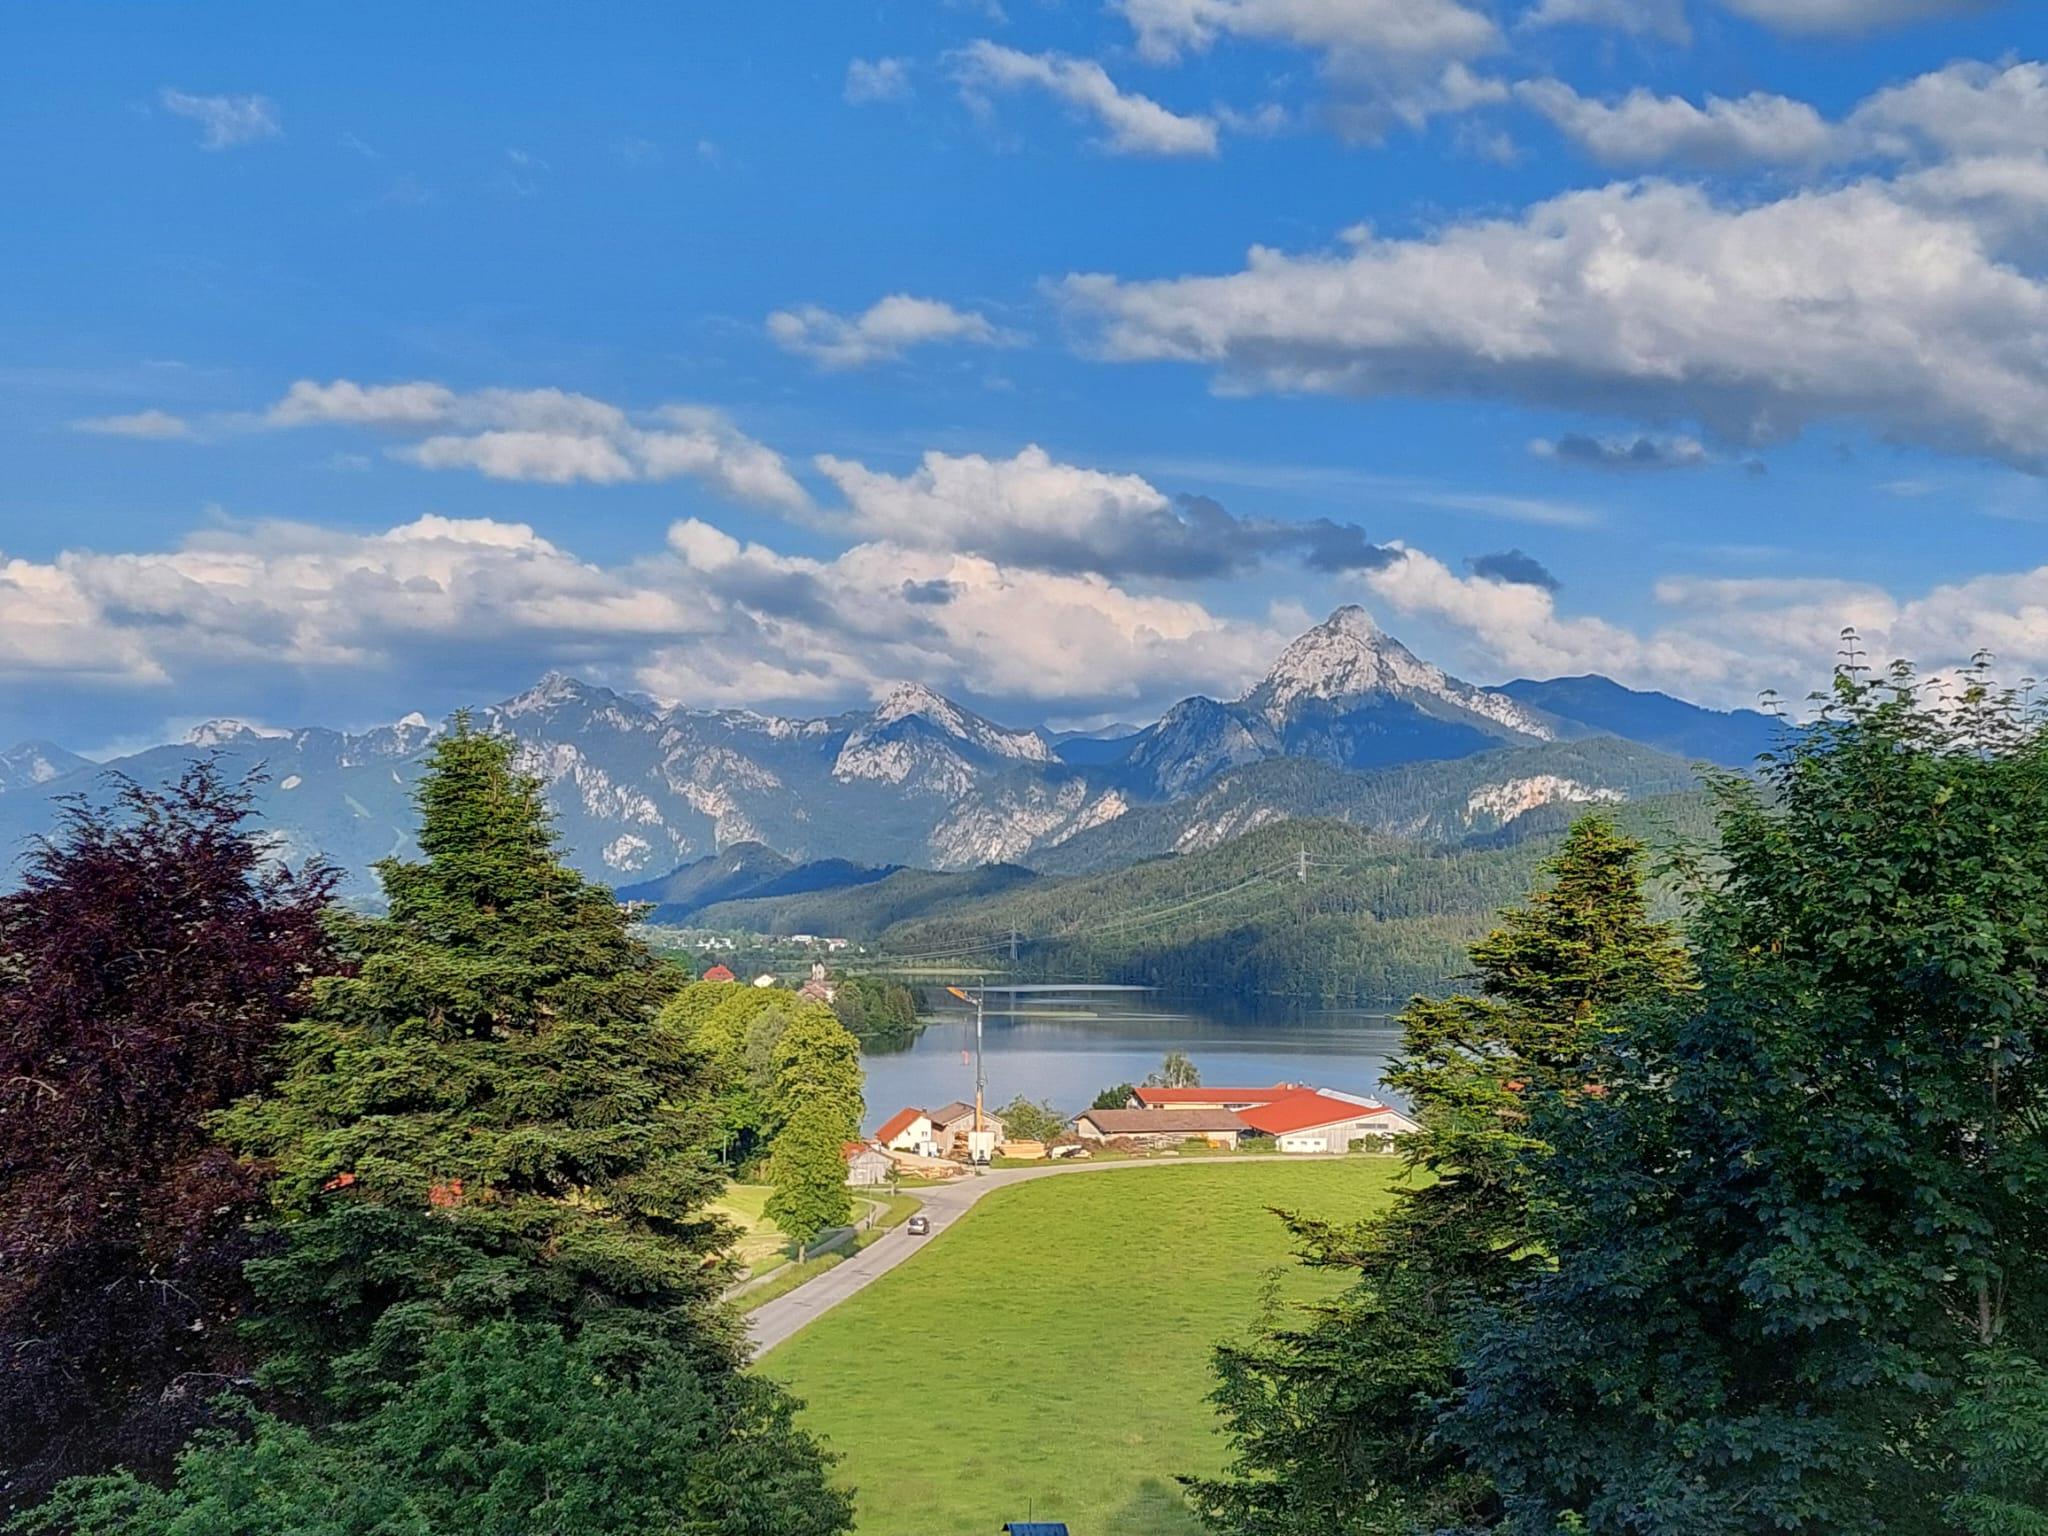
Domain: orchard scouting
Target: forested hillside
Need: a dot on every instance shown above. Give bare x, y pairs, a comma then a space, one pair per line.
1317, 910
866, 909
1447, 801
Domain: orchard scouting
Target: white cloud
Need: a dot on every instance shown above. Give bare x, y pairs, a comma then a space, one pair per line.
1647, 299
1662, 19
706, 616
161, 426
871, 80
1347, 31
1033, 512
225, 121
550, 436
1132, 124
1644, 128
885, 330
1968, 108
1848, 15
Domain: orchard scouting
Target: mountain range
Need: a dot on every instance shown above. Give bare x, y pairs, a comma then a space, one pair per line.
1348, 723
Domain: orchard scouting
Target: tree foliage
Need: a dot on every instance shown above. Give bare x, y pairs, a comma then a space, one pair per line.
1334, 1415
1175, 1070
879, 1013
507, 1429
1799, 1241
1031, 1119
1116, 1096
148, 963
807, 1169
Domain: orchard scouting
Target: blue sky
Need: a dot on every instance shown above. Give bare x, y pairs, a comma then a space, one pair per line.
1067, 357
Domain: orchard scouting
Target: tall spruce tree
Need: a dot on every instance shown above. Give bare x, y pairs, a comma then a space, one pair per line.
484, 1118
1801, 1242
148, 965
1335, 1415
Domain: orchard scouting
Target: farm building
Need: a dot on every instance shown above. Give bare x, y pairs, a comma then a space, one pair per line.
908, 1130
866, 1166
1310, 1120
1160, 1127
951, 1125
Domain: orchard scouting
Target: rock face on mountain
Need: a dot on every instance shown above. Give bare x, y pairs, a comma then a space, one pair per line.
640, 789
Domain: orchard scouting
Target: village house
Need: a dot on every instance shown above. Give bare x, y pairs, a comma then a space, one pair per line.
908, 1130
1311, 1120
866, 1166
720, 973
1160, 1127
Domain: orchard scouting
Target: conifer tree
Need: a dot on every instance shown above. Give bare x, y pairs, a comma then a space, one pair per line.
1335, 1416
484, 1118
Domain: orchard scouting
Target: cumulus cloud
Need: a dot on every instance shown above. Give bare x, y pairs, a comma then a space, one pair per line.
1644, 128
1967, 111
160, 426
1515, 568
1132, 124
885, 330
550, 436
1348, 31
1661, 19
1647, 299
1642, 452
1849, 15
225, 121
1031, 511
706, 616
872, 80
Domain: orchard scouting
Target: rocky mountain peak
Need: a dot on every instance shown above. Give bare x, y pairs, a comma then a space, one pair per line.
1345, 656
551, 692
226, 731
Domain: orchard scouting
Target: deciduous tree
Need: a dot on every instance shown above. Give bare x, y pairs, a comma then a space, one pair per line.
148, 964
1799, 1241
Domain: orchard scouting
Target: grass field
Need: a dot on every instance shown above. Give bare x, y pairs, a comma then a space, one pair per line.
762, 1245
1049, 1355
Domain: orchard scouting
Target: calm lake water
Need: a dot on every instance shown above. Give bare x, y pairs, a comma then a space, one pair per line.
1067, 1043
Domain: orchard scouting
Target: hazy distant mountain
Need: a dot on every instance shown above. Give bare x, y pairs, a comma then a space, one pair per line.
640, 790
1729, 737
31, 764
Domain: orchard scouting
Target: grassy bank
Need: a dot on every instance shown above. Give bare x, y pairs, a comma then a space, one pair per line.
1050, 1353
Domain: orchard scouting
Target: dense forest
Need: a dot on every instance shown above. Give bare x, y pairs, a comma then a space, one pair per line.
1315, 910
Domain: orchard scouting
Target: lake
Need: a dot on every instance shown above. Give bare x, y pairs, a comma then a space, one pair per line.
1066, 1044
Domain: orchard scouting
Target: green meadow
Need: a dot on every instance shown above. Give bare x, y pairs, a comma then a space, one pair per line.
1049, 1355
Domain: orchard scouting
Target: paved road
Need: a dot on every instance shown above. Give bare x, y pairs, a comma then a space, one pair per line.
944, 1204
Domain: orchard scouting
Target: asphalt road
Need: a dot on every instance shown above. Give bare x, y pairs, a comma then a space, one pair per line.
944, 1204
